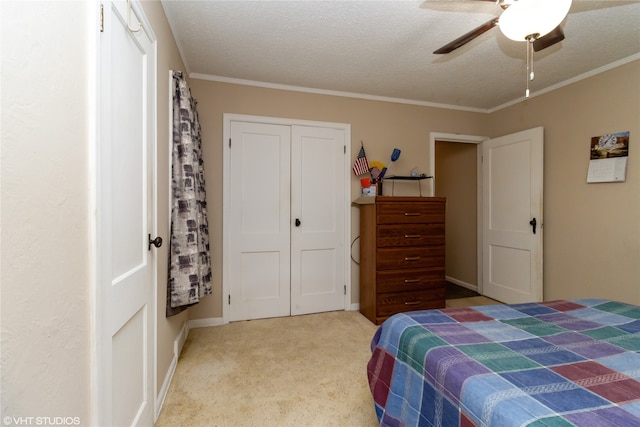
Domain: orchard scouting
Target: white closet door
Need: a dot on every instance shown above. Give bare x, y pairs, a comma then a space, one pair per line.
317, 205
259, 243
285, 242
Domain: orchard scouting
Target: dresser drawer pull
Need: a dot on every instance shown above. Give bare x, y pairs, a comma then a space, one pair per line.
413, 303
412, 280
412, 236
412, 258
412, 214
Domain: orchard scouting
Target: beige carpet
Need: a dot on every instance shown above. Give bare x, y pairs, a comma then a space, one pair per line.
291, 371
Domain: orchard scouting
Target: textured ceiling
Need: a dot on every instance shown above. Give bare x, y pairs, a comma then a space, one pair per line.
384, 48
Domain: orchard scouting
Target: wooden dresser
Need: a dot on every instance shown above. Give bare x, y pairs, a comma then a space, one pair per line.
402, 257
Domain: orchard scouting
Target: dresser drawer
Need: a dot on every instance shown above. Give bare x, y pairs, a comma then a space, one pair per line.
389, 304
410, 280
410, 235
410, 213
410, 257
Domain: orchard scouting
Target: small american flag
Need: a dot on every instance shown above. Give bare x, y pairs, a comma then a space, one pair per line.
361, 165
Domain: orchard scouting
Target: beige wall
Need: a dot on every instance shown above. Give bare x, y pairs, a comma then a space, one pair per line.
45, 265
380, 125
168, 59
457, 180
46, 200
570, 116
591, 231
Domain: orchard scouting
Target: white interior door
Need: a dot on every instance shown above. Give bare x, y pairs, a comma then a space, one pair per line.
317, 204
260, 229
286, 214
126, 217
512, 201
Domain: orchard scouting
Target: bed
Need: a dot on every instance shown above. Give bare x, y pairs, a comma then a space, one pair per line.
560, 363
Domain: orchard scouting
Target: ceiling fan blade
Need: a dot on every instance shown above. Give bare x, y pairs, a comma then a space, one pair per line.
426, 4
556, 35
462, 40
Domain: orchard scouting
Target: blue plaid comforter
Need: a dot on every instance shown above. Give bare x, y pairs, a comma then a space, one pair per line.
559, 363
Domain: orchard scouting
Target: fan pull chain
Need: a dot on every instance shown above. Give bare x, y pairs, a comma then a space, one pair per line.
530, 73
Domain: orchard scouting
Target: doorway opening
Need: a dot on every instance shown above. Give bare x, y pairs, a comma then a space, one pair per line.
456, 164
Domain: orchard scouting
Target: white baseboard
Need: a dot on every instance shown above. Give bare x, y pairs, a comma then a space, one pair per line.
203, 323
462, 283
178, 343
355, 307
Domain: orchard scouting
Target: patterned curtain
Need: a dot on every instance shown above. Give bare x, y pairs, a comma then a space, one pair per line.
189, 257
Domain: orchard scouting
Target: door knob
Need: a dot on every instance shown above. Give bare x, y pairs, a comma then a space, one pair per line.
298, 222
533, 223
157, 242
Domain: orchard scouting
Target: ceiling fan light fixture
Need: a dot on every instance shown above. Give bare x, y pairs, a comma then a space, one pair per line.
524, 18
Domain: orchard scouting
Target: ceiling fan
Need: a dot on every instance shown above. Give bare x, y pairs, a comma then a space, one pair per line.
535, 21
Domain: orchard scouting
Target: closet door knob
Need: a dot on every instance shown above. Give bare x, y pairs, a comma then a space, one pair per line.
298, 222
